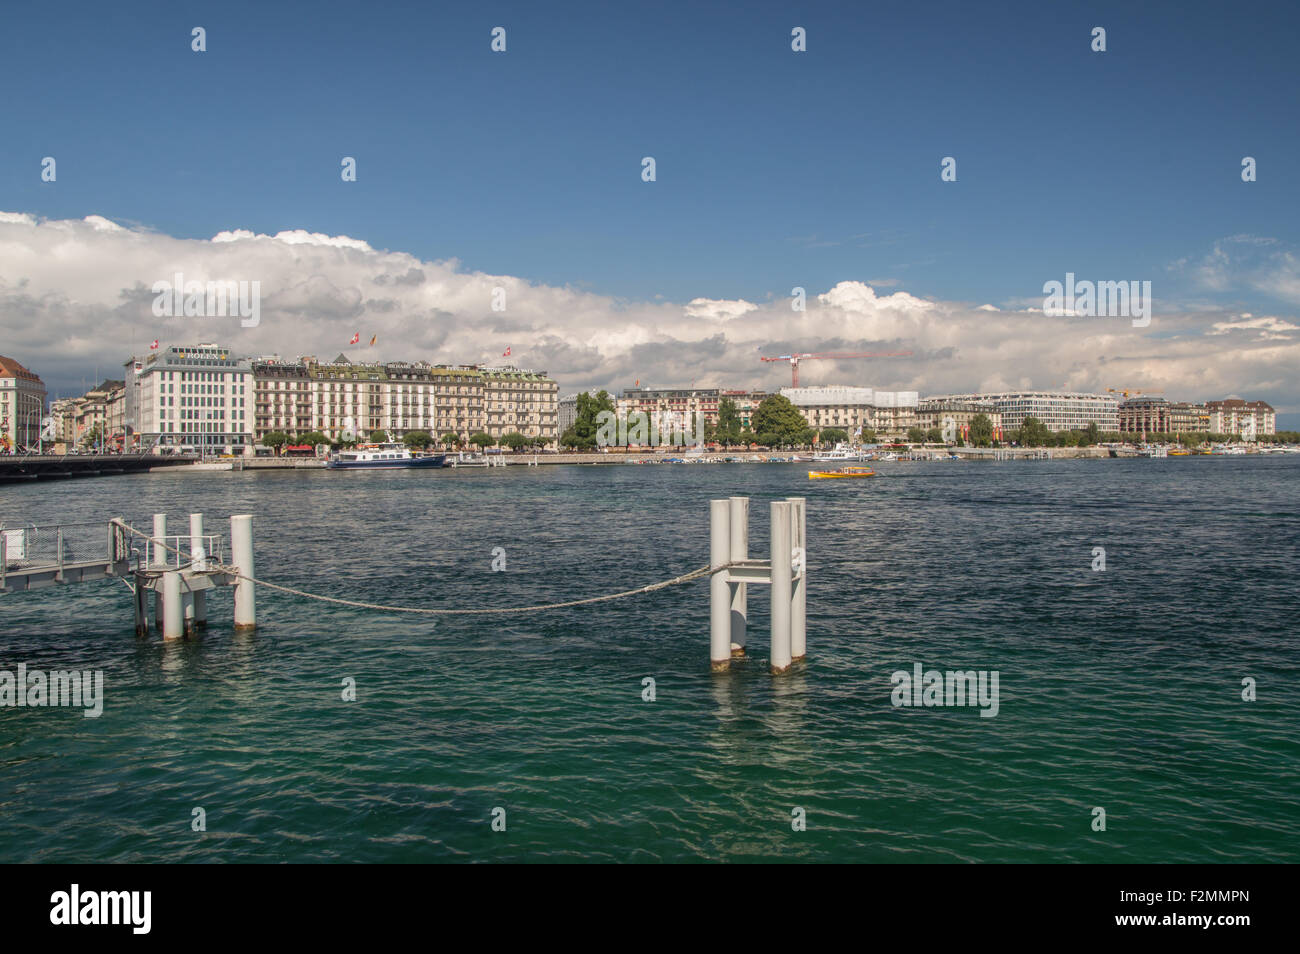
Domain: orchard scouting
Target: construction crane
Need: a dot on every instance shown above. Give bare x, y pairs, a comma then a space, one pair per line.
1134, 392
794, 359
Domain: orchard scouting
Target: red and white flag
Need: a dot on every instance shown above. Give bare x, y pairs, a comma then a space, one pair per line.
506, 353
154, 346
356, 336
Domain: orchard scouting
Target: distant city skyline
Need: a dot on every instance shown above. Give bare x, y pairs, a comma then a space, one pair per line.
499, 200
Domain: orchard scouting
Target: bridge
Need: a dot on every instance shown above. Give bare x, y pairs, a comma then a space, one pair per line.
18, 467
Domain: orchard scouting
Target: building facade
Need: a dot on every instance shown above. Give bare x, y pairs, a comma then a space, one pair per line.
940, 413
348, 401
1146, 415
888, 413
22, 406
196, 397
1058, 410
1250, 419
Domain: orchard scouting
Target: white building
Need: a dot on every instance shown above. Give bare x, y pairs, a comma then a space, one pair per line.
1058, 410
194, 396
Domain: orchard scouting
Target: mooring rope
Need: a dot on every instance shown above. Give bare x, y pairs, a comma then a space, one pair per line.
428, 611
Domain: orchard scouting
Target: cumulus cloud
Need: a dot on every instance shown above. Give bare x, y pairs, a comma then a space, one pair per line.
78, 293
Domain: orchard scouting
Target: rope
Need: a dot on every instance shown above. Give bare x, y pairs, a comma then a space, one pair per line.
650, 588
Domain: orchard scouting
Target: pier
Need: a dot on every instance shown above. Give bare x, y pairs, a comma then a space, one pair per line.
20, 467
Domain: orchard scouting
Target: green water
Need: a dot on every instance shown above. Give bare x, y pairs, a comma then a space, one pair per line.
1119, 689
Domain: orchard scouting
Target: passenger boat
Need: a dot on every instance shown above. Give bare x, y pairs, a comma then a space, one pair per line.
842, 452
843, 472
382, 455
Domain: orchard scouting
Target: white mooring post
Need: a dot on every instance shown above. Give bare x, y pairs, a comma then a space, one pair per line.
158, 555
781, 586
173, 625
739, 516
798, 599
197, 610
241, 551
719, 590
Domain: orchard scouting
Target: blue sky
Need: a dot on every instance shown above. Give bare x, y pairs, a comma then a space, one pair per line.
775, 169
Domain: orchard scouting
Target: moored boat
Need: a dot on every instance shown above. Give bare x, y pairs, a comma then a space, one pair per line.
382, 455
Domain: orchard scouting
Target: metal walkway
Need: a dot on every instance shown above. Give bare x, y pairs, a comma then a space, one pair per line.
32, 557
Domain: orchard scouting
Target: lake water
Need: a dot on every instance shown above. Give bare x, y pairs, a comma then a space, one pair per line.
1119, 689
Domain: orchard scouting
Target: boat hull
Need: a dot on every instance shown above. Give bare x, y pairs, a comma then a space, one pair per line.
435, 461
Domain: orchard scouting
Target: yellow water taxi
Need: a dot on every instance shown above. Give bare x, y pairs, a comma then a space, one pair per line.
842, 472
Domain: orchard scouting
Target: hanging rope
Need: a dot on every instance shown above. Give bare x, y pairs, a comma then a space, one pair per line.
425, 611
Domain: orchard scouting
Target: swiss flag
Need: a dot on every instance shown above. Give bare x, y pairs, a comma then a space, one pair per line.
506, 353
356, 336
154, 346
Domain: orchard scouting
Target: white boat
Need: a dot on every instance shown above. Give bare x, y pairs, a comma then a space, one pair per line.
889, 456
842, 452
383, 455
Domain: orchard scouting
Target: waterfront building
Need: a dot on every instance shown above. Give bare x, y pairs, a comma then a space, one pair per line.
671, 406
343, 400
1251, 419
22, 406
63, 411
889, 413
195, 396
1185, 418
521, 401
1146, 415
938, 412
1058, 410
95, 412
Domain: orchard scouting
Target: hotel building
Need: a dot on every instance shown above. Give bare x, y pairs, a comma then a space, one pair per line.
346, 400
938, 412
192, 396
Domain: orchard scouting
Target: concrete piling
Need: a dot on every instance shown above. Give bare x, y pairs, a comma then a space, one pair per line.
798, 600
241, 552
173, 623
781, 586
739, 517
141, 608
157, 543
719, 590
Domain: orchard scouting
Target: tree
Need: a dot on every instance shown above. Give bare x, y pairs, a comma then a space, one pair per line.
728, 430
570, 439
868, 436
834, 435
482, 440
451, 440
915, 435
313, 438
514, 440
981, 430
934, 436
417, 440
275, 440
379, 437
747, 437
1091, 434
1033, 433
586, 423
779, 421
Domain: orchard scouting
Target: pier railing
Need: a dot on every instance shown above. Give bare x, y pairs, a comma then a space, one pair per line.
32, 554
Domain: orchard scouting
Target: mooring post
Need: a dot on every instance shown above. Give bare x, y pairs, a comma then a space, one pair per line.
197, 556
158, 541
241, 552
719, 591
739, 517
799, 596
781, 586
173, 623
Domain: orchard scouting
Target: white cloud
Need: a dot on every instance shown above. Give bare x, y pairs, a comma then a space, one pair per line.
77, 293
